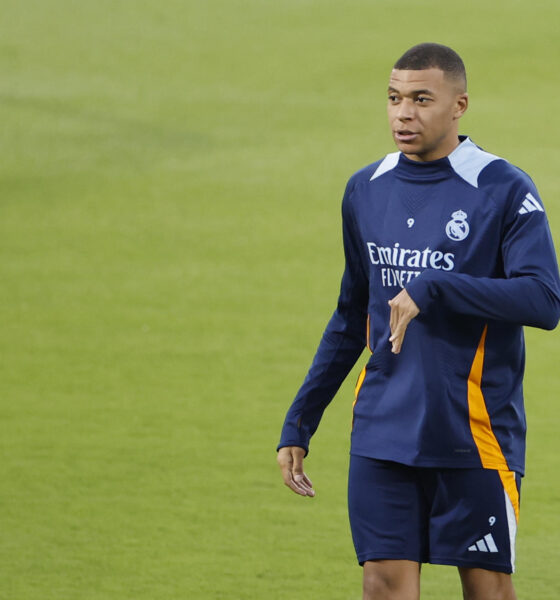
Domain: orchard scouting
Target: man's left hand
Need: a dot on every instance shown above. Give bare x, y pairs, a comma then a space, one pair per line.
403, 310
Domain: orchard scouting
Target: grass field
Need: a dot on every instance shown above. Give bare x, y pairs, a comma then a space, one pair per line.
170, 177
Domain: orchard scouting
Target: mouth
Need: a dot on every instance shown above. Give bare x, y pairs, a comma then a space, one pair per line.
404, 135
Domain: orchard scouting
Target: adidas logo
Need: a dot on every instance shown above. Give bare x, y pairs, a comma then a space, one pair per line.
530, 204
486, 544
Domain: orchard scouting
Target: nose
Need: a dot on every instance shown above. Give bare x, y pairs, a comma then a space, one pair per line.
405, 110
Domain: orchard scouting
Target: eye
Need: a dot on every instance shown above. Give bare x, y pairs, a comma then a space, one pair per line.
423, 100
393, 98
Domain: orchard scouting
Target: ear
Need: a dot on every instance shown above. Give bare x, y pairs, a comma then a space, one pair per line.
461, 105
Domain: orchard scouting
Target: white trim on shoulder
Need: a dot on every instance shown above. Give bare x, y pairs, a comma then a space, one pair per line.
388, 163
468, 161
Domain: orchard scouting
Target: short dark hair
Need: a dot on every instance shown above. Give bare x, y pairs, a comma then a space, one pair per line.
433, 56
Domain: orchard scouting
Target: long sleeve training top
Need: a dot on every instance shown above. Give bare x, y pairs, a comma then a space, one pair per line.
468, 238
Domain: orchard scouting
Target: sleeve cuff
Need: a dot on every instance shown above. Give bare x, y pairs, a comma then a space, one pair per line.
298, 444
422, 289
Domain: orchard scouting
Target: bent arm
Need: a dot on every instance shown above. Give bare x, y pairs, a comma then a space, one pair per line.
524, 300
529, 294
341, 345
340, 348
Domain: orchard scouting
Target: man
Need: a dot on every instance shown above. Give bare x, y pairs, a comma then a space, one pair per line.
448, 254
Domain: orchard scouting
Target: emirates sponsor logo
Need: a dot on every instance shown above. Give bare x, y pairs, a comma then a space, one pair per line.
400, 265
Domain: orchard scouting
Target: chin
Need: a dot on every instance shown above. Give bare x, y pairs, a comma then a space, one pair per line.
408, 148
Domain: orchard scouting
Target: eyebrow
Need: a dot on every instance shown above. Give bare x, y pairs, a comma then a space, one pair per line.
425, 91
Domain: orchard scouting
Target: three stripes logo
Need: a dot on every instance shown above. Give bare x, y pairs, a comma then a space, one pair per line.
485, 544
530, 204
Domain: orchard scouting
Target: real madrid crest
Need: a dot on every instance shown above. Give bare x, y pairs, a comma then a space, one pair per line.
457, 229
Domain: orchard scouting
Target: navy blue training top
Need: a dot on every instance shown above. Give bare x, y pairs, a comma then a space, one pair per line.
468, 238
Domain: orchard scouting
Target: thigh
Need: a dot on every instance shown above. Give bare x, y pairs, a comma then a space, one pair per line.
388, 511
473, 518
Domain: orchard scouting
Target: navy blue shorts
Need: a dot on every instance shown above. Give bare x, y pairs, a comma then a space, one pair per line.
461, 517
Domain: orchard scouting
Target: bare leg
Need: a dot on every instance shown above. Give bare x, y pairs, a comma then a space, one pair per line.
391, 580
480, 584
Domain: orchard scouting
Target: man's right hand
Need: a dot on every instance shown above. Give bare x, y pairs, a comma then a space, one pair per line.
290, 460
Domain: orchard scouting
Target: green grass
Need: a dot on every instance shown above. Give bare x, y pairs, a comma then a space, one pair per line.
170, 181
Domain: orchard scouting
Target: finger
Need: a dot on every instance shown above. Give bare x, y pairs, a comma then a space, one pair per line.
289, 481
298, 475
297, 457
392, 317
306, 486
304, 482
287, 475
396, 311
300, 488
397, 339
395, 321
307, 481
295, 487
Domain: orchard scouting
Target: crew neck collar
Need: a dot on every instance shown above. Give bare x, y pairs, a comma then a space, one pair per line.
418, 169
467, 161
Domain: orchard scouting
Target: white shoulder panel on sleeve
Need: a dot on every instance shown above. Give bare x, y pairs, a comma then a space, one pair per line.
468, 161
388, 163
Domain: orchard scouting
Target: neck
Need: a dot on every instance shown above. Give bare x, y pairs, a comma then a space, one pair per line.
443, 149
